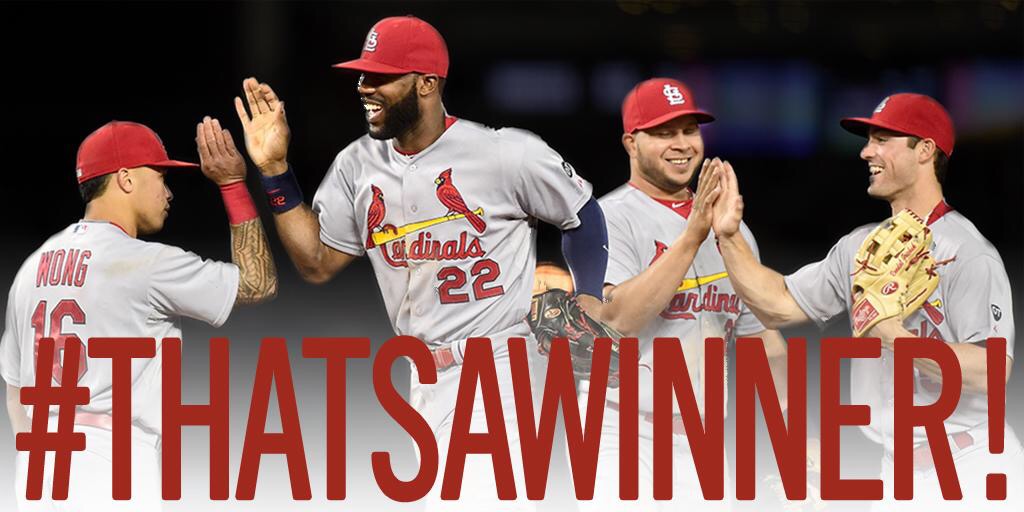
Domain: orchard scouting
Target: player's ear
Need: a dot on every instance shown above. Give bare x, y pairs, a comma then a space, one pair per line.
925, 150
427, 84
124, 180
629, 143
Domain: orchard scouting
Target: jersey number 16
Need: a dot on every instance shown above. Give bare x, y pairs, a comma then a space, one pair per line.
66, 308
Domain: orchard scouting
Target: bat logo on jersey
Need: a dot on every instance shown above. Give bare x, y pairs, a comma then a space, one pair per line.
685, 303
371, 41
935, 317
452, 199
382, 235
932, 310
673, 95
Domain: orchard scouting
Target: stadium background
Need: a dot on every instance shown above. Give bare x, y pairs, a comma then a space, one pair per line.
778, 75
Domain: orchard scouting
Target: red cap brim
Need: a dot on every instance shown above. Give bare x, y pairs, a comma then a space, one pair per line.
861, 125
171, 163
701, 116
369, 66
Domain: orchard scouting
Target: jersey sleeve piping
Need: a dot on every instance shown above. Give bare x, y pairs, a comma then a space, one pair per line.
347, 248
229, 304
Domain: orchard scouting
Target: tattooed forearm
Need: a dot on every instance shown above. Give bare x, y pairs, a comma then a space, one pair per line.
257, 280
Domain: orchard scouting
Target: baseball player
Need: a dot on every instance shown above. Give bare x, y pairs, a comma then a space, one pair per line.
909, 141
444, 208
665, 276
96, 278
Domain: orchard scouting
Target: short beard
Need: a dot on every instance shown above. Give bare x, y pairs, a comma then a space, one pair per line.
401, 118
656, 177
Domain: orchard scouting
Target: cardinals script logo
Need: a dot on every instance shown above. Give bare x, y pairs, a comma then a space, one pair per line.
685, 302
452, 199
398, 245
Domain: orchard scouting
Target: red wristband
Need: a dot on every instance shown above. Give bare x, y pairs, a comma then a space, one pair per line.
238, 203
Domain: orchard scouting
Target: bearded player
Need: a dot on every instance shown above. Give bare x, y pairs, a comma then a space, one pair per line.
665, 277
444, 208
910, 138
96, 278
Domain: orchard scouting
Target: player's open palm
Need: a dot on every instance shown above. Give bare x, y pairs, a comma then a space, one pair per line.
728, 208
708, 190
266, 127
218, 156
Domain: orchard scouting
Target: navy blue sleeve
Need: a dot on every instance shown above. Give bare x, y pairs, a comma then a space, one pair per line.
585, 248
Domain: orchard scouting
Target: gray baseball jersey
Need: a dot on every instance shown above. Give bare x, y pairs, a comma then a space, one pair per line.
449, 230
971, 304
93, 280
640, 229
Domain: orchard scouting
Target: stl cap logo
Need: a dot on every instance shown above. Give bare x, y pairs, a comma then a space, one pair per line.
78, 173
371, 41
673, 95
881, 105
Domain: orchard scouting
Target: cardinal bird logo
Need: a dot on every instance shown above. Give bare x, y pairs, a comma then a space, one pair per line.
659, 249
375, 215
452, 199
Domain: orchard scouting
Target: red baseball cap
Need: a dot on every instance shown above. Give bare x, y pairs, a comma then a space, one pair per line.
911, 114
121, 145
658, 100
400, 45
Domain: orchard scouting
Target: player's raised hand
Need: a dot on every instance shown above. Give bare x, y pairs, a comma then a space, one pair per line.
266, 127
218, 156
728, 208
708, 189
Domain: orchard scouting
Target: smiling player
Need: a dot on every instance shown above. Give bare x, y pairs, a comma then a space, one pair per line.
445, 210
665, 276
910, 138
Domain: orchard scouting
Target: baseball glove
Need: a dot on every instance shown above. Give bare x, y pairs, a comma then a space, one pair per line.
894, 273
556, 314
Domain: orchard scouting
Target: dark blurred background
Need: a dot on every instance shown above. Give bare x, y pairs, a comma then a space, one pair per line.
778, 75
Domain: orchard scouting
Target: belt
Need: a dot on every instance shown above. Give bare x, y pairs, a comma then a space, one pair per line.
444, 358
923, 454
92, 419
677, 421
